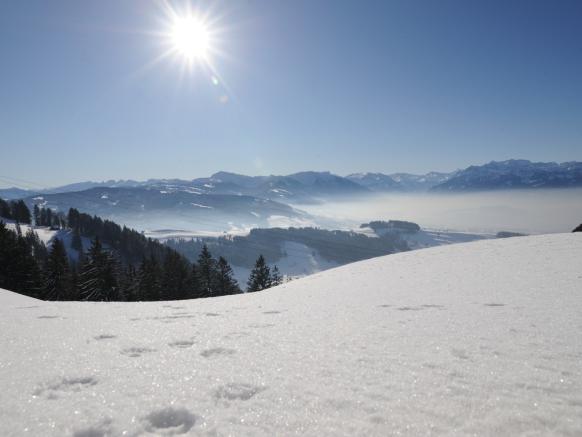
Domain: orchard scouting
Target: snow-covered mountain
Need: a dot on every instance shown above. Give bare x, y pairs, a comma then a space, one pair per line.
424, 182
375, 181
514, 174
314, 187
480, 338
152, 207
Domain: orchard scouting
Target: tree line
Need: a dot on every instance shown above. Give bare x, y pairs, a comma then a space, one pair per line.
119, 264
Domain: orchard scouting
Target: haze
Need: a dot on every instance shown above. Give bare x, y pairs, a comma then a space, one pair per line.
528, 211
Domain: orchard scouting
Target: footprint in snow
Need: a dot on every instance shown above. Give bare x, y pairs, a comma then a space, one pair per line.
261, 325
217, 351
169, 421
48, 317
212, 314
181, 344
494, 304
65, 385
102, 429
136, 351
237, 392
174, 307
104, 337
271, 312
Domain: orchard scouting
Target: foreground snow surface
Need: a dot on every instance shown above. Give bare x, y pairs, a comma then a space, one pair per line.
483, 338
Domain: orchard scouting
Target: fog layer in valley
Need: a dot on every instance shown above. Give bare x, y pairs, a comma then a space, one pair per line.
528, 211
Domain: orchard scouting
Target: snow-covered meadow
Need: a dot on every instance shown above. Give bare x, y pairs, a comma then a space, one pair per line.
481, 338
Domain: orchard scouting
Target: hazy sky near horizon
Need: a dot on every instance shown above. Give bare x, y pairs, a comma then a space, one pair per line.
297, 85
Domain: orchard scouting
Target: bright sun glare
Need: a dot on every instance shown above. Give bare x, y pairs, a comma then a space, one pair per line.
190, 38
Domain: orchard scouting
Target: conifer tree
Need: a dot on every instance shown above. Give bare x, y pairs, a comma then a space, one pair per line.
99, 276
260, 277
578, 228
276, 278
76, 241
18, 269
175, 277
194, 287
74, 290
206, 272
49, 217
225, 283
42, 221
5, 209
130, 284
149, 280
20, 212
57, 279
36, 215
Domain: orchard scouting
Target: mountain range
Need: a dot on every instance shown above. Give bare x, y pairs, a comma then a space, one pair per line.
312, 186
232, 202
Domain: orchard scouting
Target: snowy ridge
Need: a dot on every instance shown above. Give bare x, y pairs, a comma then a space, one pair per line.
478, 338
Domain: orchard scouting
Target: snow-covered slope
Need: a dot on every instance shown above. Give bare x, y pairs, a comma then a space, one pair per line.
482, 338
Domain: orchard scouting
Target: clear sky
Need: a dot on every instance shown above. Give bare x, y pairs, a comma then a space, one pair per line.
321, 85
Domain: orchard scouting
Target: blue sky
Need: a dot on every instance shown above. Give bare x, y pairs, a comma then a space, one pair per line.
325, 85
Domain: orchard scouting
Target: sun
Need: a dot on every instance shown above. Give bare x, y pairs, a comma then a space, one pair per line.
190, 38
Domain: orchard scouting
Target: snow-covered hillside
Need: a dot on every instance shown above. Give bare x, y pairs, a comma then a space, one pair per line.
482, 338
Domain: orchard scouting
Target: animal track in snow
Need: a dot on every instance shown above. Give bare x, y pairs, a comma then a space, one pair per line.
236, 335
104, 337
271, 312
169, 421
217, 351
173, 307
212, 314
102, 429
136, 351
494, 304
65, 385
261, 325
421, 307
237, 392
47, 317
181, 344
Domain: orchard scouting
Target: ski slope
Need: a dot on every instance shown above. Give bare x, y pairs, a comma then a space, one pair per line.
480, 338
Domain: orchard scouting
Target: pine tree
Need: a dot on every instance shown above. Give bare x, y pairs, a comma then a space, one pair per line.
149, 280
42, 221
20, 212
74, 290
76, 241
578, 228
99, 276
18, 269
130, 284
276, 278
49, 217
260, 277
206, 272
174, 277
5, 211
225, 283
36, 215
57, 278
194, 287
